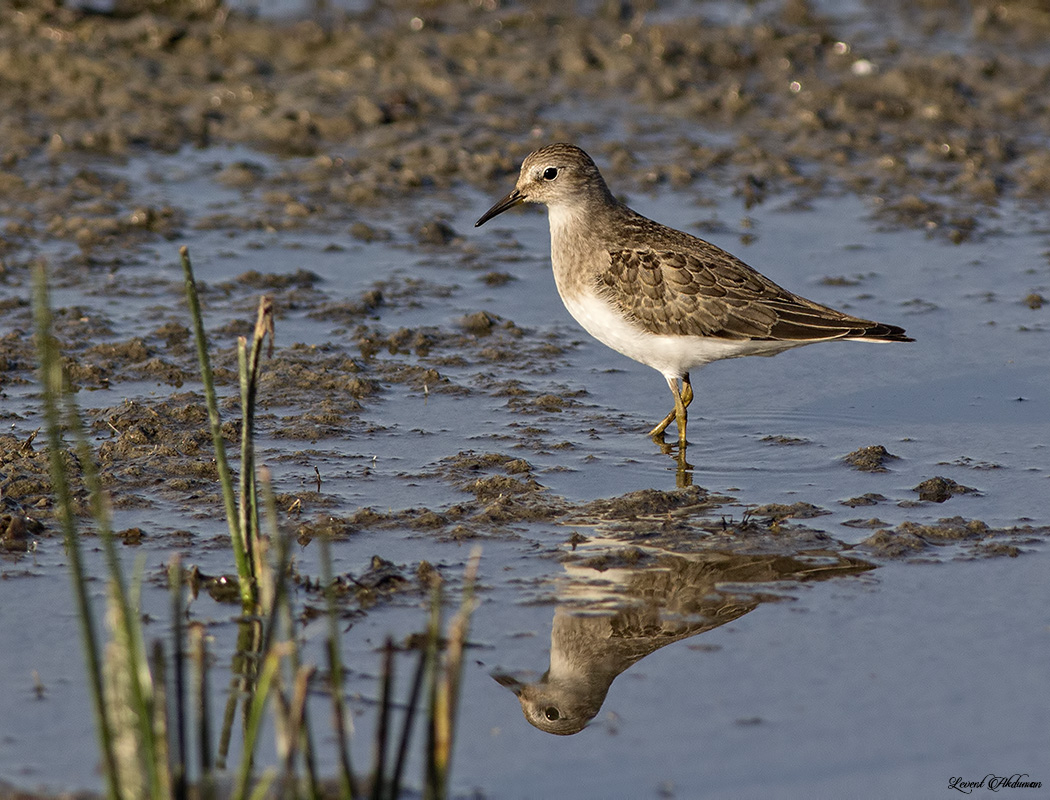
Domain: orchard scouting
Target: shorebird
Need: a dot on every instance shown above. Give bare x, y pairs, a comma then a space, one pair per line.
661, 296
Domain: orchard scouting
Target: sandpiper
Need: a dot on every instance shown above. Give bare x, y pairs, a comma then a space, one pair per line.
660, 296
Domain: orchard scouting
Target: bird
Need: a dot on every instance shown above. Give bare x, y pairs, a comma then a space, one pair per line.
658, 295
645, 605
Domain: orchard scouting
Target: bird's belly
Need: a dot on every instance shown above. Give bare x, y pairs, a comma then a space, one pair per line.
672, 355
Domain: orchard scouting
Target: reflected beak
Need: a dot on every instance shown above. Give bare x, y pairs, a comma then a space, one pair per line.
502, 678
513, 199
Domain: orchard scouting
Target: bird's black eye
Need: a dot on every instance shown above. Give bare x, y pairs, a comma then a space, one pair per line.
551, 712
550, 174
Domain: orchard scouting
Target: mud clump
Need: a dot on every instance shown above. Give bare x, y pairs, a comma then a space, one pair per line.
497, 486
545, 403
436, 232
867, 499
497, 278
17, 528
938, 489
25, 477
550, 402
648, 502
960, 538
369, 233
382, 578
349, 311
300, 279
895, 545
468, 462
788, 441
779, 511
947, 530
870, 459
997, 549
381, 581
624, 558
164, 447
482, 323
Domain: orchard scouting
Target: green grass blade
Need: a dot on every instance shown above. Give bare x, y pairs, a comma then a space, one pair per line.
244, 571
271, 663
248, 368
457, 639
53, 387
283, 602
243, 668
263, 785
445, 690
178, 700
433, 781
141, 683
137, 668
247, 515
158, 668
386, 700
408, 724
335, 673
199, 654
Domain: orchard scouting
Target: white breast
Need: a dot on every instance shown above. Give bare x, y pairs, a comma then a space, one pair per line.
671, 355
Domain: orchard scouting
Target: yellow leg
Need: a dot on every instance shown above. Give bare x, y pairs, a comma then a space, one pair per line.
682, 399
658, 431
680, 405
687, 391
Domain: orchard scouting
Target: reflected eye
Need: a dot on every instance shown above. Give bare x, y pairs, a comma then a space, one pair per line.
550, 712
550, 174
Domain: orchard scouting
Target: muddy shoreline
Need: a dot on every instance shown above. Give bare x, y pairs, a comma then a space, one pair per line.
411, 98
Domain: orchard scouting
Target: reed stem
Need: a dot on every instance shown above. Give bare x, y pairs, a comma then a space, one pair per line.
240, 556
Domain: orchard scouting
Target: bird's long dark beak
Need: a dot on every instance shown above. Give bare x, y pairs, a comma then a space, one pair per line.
511, 200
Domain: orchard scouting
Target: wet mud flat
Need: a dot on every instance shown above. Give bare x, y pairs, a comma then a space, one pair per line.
425, 394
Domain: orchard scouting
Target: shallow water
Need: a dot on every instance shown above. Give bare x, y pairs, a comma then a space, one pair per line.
863, 685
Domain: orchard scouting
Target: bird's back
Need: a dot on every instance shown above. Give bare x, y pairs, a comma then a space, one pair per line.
671, 282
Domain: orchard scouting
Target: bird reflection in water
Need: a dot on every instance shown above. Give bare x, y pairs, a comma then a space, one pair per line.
667, 599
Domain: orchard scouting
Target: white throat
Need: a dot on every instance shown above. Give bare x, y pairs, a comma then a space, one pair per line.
565, 217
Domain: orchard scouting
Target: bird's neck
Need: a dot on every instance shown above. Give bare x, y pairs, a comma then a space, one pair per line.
568, 221
579, 235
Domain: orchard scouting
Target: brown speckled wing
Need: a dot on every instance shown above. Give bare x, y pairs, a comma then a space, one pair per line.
714, 294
